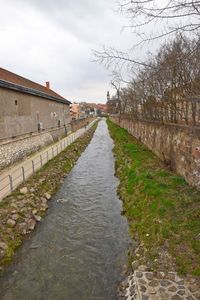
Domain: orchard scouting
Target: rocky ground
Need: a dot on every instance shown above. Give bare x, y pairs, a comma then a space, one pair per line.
20, 211
144, 285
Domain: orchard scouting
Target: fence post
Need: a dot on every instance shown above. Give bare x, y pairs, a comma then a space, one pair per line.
47, 155
11, 182
41, 160
33, 166
57, 149
52, 152
23, 174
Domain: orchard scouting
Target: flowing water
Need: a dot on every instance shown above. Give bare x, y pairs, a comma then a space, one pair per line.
79, 250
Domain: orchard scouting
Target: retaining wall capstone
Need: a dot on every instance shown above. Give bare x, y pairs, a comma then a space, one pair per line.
177, 145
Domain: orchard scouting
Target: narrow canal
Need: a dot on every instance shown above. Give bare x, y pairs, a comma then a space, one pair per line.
79, 250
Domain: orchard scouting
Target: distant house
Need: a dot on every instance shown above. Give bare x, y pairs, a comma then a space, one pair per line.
75, 111
102, 107
26, 106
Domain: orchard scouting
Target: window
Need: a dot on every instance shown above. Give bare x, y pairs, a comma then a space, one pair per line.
16, 103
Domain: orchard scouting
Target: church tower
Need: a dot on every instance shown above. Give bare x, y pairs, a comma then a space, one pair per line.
108, 96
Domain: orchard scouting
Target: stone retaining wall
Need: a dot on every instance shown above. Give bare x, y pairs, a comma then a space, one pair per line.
177, 145
18, 150
15, 150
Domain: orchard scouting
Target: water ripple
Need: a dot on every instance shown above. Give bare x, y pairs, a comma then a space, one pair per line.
79, 250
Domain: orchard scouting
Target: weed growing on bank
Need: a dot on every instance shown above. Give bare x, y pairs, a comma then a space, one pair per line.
162, 209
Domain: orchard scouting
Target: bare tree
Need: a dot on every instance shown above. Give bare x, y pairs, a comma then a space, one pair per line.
166, 18
170, 90
172, 16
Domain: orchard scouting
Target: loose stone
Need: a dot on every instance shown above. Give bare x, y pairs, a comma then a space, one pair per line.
135, 265
31, 224
41, 180
43, 207
125, 283
3, 246
34, 212
22, 228
142, 268
11, 222
15, 217
24, 190
37, 218
47, 196
43, 200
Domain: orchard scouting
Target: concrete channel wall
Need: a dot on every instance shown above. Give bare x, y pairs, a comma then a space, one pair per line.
12, 178
178, 146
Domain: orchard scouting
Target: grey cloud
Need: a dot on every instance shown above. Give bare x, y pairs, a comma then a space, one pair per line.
52, 40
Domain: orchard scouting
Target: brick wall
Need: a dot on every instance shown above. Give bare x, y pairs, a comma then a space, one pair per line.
178, 145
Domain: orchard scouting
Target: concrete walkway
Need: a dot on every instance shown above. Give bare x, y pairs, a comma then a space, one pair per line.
12, 177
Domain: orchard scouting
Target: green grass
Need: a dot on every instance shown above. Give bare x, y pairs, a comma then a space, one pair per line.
162, 209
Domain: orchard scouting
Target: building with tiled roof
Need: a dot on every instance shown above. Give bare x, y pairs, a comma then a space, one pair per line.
28, 107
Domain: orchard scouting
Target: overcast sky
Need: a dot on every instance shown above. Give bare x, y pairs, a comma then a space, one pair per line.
52, 40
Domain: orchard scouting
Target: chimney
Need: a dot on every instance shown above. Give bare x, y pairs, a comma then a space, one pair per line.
47, 84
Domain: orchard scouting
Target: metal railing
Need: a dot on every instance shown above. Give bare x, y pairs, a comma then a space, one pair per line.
15, 177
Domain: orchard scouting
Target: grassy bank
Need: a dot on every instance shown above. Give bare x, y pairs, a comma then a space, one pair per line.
162, 209
20, 211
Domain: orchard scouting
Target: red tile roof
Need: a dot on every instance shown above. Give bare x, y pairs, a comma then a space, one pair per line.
13, 78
